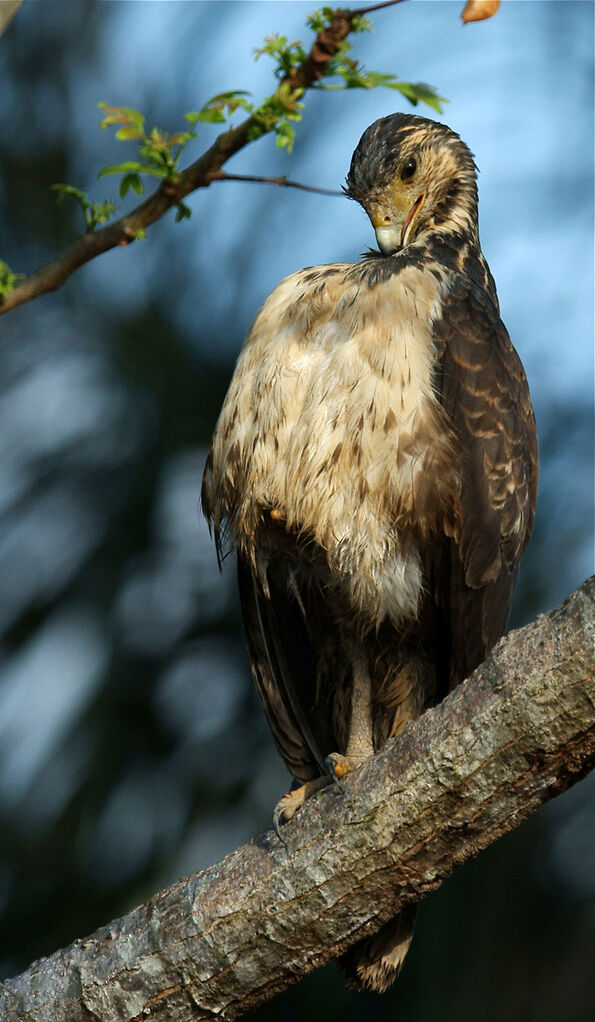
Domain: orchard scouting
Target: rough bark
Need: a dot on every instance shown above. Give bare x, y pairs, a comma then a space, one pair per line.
518, 732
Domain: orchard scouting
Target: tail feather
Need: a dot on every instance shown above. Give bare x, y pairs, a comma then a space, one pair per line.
375, 962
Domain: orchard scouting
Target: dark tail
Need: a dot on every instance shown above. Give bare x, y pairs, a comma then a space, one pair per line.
375, 962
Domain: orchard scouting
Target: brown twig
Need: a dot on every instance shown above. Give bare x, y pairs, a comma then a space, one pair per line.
283, 182
199, 174
376, 7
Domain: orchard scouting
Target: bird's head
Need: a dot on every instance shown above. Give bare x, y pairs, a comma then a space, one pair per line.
413, 175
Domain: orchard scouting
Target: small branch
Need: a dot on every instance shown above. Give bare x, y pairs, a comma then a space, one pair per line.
217, 944
283, 182
199, 174
376, 7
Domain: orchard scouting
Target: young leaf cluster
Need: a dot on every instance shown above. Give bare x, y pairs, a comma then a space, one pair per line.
356, 76
289, 55
8, 279
218, 108
159, 152
286, 55
275, 114
94, 212
319, 20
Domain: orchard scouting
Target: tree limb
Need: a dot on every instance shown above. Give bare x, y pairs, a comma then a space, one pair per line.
518, 732
199, 174
8, 9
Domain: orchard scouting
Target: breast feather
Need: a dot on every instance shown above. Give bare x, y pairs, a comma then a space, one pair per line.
327, 420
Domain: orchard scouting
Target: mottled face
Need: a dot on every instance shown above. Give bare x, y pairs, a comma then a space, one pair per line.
412, 175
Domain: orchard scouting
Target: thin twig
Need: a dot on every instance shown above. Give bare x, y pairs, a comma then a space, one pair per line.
375, 7
283, 182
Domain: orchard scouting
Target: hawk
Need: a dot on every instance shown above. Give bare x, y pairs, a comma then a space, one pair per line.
375, 468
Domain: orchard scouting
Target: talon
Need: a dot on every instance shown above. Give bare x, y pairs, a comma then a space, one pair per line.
288, 806
278, 820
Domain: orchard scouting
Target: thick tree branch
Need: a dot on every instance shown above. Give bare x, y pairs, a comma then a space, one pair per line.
518, 732
8, 9
199, 174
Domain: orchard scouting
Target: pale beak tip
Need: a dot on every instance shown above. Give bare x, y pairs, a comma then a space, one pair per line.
389, 239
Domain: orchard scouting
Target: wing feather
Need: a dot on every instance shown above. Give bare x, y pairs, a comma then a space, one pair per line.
284, 670
484, 391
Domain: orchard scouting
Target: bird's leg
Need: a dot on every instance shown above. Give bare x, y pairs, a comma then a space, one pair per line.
360, 742
288, 806
360, 745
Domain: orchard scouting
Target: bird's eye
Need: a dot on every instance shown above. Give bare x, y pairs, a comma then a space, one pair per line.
408, 169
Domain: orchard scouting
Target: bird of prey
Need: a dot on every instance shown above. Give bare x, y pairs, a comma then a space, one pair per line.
375, 468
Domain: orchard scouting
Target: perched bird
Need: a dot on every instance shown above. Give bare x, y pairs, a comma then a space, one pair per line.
375, 468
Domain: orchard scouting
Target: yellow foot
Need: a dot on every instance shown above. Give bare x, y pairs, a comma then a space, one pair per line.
339, 766
288, 806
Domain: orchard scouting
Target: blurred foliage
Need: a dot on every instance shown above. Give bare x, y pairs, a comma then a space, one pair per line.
132, 746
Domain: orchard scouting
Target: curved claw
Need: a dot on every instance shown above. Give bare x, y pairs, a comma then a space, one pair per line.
288, 806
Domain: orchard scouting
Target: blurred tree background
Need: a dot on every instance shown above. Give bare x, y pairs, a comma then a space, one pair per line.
132, 746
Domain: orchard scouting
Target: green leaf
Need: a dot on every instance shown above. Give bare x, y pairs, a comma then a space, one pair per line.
129, 132
121, 115
131, 181
100, 212
122, 168
287, 55
181, 137
254, 131
184, 212
224, 98
419, 93
134, 167
285, 136
375, 78
210, 116
319, 20
8, 279
94, 212
71, 190
213, 112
